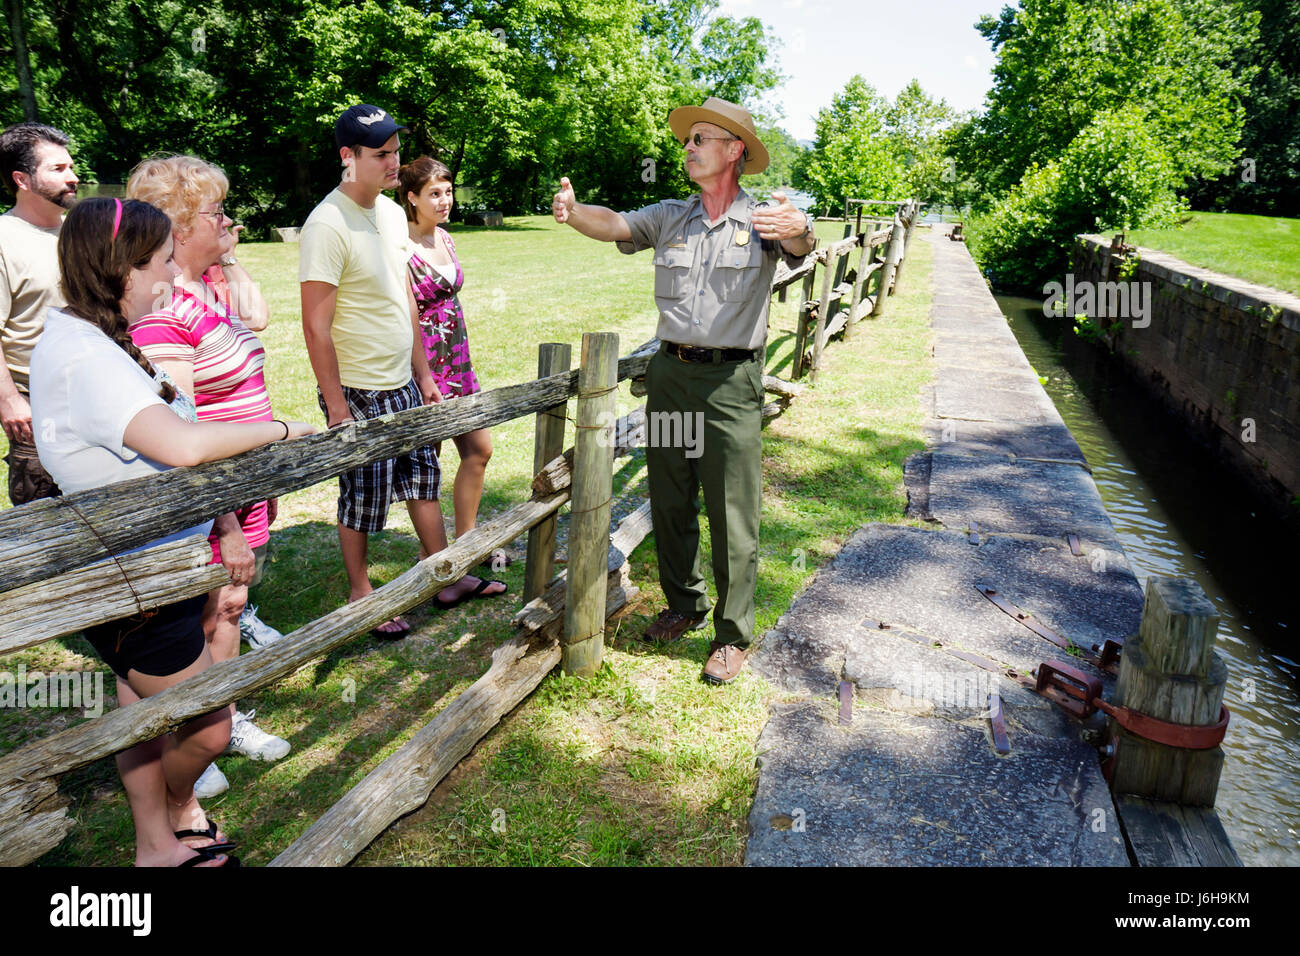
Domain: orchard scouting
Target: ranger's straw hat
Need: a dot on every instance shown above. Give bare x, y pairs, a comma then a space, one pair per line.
734, 119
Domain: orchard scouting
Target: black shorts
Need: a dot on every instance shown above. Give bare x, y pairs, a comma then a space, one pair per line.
170, 640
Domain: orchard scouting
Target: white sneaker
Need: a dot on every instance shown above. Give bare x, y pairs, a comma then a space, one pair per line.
254, 631
211, 783
251, 742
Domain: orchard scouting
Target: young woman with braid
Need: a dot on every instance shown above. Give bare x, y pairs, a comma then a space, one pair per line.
106, 415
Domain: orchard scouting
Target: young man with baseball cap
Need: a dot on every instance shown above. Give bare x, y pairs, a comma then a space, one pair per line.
715, 254
363, 344
37, 171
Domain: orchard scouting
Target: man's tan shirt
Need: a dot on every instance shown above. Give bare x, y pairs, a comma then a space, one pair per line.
713, 280
29, 285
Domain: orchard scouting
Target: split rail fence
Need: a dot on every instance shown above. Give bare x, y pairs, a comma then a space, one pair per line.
58, 574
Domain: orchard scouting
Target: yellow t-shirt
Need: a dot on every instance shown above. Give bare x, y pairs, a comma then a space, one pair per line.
29, 285
363, 253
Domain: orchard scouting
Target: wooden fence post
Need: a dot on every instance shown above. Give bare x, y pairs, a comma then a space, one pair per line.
908, 215
801, 327
859, 281
823, 307
548, 442
893, 252
593, 476
1170, 671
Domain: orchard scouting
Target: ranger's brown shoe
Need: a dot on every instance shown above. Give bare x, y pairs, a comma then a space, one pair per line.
670, 625
724, 663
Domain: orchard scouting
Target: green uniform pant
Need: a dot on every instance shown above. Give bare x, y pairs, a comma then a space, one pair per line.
704, 426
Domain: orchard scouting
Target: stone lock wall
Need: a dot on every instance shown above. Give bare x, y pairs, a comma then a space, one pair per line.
1221, 352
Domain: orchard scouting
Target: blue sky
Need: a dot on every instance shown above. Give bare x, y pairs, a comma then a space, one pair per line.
825, 42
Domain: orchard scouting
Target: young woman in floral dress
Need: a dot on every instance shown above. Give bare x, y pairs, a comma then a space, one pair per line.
435, 277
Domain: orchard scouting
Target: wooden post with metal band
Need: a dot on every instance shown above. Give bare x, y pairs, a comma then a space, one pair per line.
548, 444
1169, 672
593, 477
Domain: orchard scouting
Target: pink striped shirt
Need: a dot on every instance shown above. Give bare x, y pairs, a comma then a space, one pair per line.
227, 359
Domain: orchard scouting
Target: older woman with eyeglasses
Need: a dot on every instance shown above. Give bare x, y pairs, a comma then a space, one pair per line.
197, 334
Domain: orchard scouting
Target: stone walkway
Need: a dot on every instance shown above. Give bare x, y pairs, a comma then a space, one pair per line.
913, 778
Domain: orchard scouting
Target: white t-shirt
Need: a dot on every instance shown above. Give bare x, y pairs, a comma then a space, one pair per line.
84, 392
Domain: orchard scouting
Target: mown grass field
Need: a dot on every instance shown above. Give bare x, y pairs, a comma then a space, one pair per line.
1263, 249
643, 764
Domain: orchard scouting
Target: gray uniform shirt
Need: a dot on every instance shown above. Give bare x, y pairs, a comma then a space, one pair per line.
713, 280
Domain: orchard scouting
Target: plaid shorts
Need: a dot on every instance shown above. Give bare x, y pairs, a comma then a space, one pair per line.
366, 492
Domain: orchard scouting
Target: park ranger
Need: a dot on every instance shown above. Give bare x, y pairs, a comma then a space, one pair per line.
715, 254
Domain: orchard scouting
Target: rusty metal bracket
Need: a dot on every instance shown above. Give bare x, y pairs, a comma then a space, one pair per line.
1042, 630
1079, 695
846, 703
1001, 743
1110, 653
1073, 690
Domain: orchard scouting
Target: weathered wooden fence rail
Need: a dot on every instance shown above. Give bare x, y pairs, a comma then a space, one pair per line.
50, 587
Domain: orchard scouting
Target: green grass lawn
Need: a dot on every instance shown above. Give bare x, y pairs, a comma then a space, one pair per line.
1263, 249
643, 764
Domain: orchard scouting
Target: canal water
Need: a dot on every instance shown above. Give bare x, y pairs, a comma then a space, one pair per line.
1177, 513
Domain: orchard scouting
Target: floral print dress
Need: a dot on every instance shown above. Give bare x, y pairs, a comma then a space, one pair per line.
442, 323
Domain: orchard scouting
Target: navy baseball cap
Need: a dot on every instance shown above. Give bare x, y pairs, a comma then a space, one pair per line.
365, 125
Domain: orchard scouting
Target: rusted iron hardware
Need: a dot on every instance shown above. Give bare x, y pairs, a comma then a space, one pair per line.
1107, 663
1001, 743
846, 703
1110, 652
1079, 694
1070, 688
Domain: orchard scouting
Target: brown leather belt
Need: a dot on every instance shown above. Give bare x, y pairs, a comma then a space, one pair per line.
706, 356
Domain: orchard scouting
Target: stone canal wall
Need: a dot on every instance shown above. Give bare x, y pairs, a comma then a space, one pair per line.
1222, 353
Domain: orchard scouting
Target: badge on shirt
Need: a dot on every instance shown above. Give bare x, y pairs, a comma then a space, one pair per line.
742, 237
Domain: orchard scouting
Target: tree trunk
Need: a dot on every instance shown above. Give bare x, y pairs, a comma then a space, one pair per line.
22, 63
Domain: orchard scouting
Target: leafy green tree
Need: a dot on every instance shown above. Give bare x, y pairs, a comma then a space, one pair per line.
1266, 179
956, 186
510, 95
785, 154
1063, 62
854, 158
1114, 174
915, 123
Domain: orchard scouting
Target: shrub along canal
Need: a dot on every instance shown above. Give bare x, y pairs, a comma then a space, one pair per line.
1177, 512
